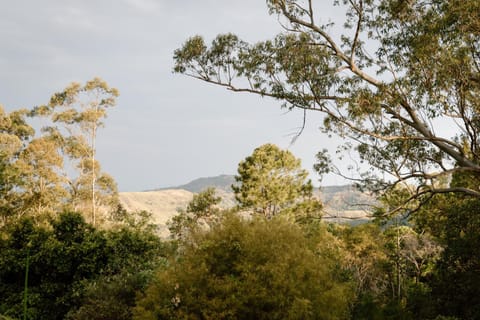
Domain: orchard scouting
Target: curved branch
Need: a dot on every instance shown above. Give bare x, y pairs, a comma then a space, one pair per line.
335, 47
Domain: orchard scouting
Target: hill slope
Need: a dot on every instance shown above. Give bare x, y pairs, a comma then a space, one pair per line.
162, 204
342, 203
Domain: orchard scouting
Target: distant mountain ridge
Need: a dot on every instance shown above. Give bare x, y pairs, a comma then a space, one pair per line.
338, 200
341, 203
328, 194
222, 182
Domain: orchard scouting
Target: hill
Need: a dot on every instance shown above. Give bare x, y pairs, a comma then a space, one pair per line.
162, 204
221, 182
341, 203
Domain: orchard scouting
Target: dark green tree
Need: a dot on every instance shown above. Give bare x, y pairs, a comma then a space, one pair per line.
67, 259
456, 280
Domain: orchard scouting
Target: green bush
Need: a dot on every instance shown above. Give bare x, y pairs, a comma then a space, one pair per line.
249, 269
68, 259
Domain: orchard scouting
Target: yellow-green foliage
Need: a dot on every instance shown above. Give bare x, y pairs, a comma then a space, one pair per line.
271, 180
250, 269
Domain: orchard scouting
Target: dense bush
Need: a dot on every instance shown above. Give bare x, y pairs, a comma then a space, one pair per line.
250, 269
67, 260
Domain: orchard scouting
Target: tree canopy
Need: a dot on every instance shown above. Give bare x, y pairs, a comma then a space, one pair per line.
78, 112
250, 269
69, 261
30, 167
35, 166
271, 180
399, 74
202, 209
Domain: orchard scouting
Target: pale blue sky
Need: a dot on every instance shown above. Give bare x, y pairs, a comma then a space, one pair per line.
167, 129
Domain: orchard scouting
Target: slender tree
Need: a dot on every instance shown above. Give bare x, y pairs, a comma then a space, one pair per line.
80, 110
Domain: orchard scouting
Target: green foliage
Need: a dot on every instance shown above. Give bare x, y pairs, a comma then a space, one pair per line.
392, 269
203, 204
65, 258
110, 297
129, 269
396, 73
77, 113
452, 280
365, 257
271, 180
202, 209
250, 269
306, 211
457, 282
140, 221
34, 178
29, 170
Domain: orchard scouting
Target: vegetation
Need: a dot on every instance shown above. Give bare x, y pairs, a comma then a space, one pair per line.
29, 169
202, 210
271, 180
80, 110
399, 71
64, 258
34, 168
69, 262
230, 272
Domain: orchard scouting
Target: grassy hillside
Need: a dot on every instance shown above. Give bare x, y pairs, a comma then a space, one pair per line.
164, 204
342, 203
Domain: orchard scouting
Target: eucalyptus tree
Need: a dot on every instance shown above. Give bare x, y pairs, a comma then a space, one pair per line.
14, 134
30, 168
396, 76
80, 111
43, 187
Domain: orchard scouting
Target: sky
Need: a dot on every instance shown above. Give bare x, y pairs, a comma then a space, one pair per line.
166, 129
